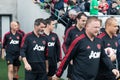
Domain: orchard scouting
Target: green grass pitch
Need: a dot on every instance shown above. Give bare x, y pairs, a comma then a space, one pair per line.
3, 71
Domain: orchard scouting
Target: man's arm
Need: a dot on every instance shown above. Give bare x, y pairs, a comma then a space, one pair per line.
59, 52
3, 54
67, 40
23, 54
108, 63
46, 56
3, 47
47, 66
69, 56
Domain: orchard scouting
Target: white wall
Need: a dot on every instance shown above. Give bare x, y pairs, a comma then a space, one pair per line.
9, 7
27, 12
5, 25
103, 18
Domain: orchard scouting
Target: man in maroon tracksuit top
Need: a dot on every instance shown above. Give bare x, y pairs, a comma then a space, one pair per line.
19, 30
71, 34
34, 52
86, 52
110, 42
11, 45
54, 48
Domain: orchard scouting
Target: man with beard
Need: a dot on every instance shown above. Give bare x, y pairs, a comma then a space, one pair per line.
34, 52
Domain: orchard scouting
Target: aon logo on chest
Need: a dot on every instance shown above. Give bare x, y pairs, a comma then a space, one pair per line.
14, 42
51, 44
39, 48
94, 55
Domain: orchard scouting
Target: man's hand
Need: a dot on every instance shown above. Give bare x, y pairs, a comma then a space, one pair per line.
28, 67
71, 62
20, 58
59, 63
47, 66
116, 73
54, 77
3, 54
47, 70
111, 53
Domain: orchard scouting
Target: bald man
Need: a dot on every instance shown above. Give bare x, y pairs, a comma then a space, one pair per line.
11, 45
87, 52
110, 44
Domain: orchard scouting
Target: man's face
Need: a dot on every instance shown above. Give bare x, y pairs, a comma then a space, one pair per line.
18, 27
82, 21
40, 28
14, 26
71, 16
52, 25
93, 28
113, 27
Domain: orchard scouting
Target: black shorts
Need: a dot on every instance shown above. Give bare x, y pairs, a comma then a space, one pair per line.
13, 59
38, 71
29, 75
52, 70
38, 67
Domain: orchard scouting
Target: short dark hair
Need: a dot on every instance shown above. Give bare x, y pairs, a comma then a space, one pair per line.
114, 2
48, 20
18, 22
81, 14
38, 21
